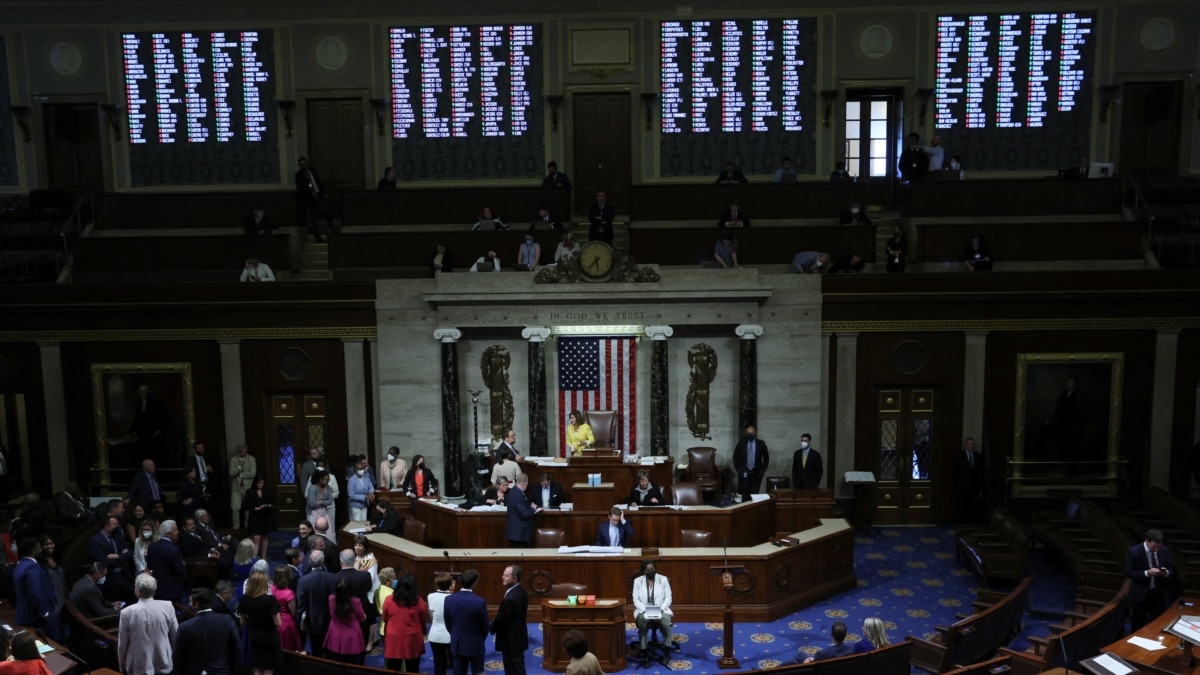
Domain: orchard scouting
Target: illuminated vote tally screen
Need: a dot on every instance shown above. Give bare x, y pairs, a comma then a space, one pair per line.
1006, 77
744, 86
467, 100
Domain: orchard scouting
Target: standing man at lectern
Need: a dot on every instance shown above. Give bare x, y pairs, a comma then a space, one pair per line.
806, 466
652, 596
750, 459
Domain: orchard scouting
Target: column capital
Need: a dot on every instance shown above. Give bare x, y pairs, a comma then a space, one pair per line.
229, 341
447, 335
748, 331
1169, 330
535, 333
659, 332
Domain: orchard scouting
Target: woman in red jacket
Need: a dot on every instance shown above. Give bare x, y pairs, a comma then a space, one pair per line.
406, 616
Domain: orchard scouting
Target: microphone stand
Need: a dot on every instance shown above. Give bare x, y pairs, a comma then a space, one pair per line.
728, 660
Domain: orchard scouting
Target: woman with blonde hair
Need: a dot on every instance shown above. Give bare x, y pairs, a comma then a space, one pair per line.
874, 636
243, 560
387, 579
149, 535
260, 614
579, 434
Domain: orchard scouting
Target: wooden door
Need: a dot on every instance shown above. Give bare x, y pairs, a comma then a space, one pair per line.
872, 123
72, 140
1151, 117
602, 149
296, 423
906, 439
335, 142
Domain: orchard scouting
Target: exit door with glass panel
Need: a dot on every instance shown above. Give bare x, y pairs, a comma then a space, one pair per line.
872, 131
296, 423
904, 460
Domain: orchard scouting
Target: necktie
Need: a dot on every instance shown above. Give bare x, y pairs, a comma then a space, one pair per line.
200, 469
154, 489
613, 538
1153, 563
114, 544
750, 455
804, 460
970, 459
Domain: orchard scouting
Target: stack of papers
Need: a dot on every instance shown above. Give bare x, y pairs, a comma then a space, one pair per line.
592, 550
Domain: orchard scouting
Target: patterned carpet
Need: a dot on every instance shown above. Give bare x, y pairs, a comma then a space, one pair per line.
907, 576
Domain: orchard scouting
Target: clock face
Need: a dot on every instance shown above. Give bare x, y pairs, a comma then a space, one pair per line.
596, 261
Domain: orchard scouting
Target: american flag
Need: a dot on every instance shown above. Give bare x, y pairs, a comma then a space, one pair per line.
599, 374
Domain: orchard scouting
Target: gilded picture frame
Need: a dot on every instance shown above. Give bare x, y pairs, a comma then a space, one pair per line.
128, 429
1067, 430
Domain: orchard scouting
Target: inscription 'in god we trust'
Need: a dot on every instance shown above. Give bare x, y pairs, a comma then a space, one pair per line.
597, 316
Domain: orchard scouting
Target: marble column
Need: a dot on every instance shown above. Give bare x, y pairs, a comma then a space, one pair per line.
974, 369
234, 403
1162, 407
357, 434
847, 378
536, 335
56, 419
660, 400
451, 414
748, 375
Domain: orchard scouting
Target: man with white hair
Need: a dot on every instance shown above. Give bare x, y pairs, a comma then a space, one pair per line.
146, 636
164, 558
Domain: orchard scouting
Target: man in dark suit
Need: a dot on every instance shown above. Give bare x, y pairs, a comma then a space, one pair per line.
731, 175
614, 531
293, 558
548, 495
208, 643
190, 543
519, 528
165, 561
806, 466
507, 447
70, 506
36, 602
1148, 566
222, 596
467, 620
145, 489
85, 595
734, 217
108, 546
838, 648
967, 473
750, 460
600, 220
312, 601
360, 585
512, 635
310, 194
204, 470
555, 178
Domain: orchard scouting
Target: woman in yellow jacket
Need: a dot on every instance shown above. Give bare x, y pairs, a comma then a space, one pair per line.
579, 434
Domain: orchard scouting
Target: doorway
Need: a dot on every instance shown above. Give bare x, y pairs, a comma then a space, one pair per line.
873, 131
74, 158
296, 423
1151, 119
603, 157
335, 142
906, 432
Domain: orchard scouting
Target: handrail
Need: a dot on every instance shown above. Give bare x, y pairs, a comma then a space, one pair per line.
1140, 205
72, 229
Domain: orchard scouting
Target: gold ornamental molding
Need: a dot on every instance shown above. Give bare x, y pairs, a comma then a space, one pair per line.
1145, 323
131, 335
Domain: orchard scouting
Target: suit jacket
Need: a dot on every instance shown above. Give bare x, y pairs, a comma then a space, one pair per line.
624, 534
728, 216
360, 585
654, 492
69, 508
210, 477
239, 479
834, 651
806, 477
512, 635
520, 516
166, 561
208, 643
389, 524
410, 482
762, 457
308, 187
145, 637
192, 545
141, 492
598, 215
967, 477
504, 450
557, 496
662, 594
312, 597
85, 596
35, 592
736, 176
467, 621
99, 548
1136, 564
190, 489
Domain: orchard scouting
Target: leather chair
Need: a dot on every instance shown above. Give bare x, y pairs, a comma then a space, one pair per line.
566, 588
604, 428
549, 537
687, 493
414, 530
702, 468
775, 483
695, 538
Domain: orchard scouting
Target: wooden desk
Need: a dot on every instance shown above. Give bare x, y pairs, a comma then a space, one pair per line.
1169, 660
600, 497
603, 624
611, 469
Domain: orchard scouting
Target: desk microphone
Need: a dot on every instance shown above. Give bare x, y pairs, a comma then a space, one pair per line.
447, 556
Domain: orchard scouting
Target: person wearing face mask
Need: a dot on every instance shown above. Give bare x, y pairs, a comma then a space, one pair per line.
806, 466
896, 249
855, 215
528, 254
360, 491
85, 595
392, 470
487, 263
652, 590
148, 534
420, 481
750, 460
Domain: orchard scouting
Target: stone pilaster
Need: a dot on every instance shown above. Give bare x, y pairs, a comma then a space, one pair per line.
56, 420
451, 432
538, 433
233, 403
660, 400
748, 375
847, 378
357, 435
974, 369
1162, 408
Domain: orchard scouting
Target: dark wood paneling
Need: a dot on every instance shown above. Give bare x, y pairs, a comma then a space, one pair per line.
756, 245
1185, 458
1034, 241
603, 162
1045, 197
516, 206
707, 202
414, 251
23, 375
174, 258
192, 209
611, 470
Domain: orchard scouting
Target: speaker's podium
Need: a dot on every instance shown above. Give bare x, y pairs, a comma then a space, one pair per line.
603, 624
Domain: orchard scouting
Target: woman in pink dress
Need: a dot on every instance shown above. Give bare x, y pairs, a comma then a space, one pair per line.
289, 631
344, 641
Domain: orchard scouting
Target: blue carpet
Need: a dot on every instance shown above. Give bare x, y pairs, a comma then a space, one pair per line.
907, 576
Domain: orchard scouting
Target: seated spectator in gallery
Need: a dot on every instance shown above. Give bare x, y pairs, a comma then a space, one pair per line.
495, 495
486, 218
838, 648
956, 169
840, 174
976, 255
257, 223
529, 253
257, 270
726, 251
441, 261
810, 262
846, 263
644, 493
734, 217
731, 176
555, 178
548, 494
388, 182
785, 174
567, 247
896, 249
486, 263
615, 531
545, 220
874, 636
855, 215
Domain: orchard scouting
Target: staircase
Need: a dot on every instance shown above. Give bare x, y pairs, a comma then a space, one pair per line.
314, 263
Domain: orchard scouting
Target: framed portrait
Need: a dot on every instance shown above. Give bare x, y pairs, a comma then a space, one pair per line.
1068, 423
141, 411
